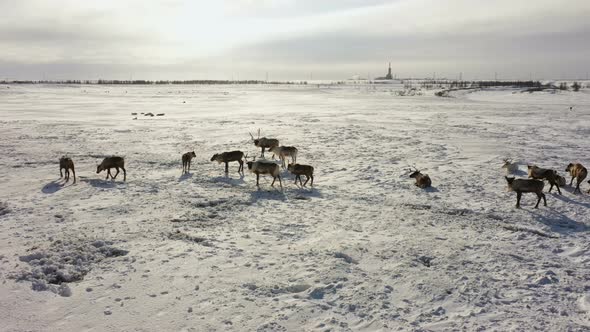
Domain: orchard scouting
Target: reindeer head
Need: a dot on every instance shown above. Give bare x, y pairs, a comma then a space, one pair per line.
506, 162
215, 157
255, 140
414, 172
567, 169
193, 154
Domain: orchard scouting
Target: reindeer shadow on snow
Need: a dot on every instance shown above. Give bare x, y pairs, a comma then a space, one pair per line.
559, 222
53, 186
232, 181
99, 183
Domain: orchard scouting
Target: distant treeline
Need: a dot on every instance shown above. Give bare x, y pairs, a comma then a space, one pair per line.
147, 82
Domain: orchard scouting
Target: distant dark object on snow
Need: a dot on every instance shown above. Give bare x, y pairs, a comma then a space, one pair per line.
134, 113
160, 114
184, 102
149, 114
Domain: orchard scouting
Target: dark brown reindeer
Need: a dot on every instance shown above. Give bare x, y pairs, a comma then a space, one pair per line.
544, 174
264, 143
67, 164
422, 180
227, 157
298, 170
186, 161
112, 162
526, 186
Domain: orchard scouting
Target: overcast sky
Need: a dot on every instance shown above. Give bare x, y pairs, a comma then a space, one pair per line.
293, 39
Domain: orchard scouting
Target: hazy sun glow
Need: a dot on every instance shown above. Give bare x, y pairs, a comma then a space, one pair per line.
335, 39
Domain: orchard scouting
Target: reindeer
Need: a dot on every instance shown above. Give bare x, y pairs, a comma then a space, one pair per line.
579, 172
511, 168
186, 161
264, 142
67, 164
299, 170
544, 174
285, 151
422, 180
112, 162
227, 157
265, 167
526, 186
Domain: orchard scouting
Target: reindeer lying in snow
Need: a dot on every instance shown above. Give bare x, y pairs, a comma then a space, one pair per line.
422, 180
67, 164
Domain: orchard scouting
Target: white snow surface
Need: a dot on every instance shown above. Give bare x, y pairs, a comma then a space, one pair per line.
363, 250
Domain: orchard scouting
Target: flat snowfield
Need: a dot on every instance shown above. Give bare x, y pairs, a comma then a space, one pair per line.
364, 249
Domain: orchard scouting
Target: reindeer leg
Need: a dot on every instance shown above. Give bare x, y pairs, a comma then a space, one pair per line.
73, 171
188, 166
257, 179
557, 186
572, 181
544, 200
241, 168
60, 174
551, 187
296, 176
124, 174
518, 196
312, 180
262, 154
280, 182
117, 168
539, 200
226, 167
67, 175
273, 181
108, 173
307, 179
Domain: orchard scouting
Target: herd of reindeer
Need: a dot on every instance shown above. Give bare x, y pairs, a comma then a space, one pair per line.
258, 167
534, 184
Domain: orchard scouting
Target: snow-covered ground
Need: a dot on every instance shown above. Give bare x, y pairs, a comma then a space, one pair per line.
363, 250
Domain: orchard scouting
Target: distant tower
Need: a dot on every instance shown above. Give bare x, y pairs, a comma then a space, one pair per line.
388, 76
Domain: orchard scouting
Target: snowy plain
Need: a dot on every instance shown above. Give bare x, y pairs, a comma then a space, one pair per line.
363, 250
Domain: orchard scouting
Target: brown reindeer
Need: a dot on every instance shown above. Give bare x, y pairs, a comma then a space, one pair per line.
544, 174
284, 152
186, 161
112, 162
264, 143
299, 170
526, 186
265, 167
422, 180
578, 172
227, 157
67, 164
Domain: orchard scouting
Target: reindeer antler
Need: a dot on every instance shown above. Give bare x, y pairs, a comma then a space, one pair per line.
251, 135
258, 132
